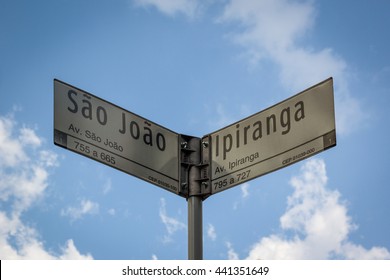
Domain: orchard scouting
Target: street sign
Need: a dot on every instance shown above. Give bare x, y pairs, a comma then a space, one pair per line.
97, 129
283, 134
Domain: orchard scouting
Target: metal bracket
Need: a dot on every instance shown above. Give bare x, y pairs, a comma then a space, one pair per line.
194, 167
204, 166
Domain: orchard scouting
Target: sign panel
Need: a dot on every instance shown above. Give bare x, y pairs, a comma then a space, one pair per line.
283, 134
118, 138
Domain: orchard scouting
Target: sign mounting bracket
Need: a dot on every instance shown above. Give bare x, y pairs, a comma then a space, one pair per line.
194, 166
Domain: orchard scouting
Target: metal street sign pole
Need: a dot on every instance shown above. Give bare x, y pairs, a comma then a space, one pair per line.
194, 179
195, 228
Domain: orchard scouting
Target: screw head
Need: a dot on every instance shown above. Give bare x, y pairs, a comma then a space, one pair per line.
184, 145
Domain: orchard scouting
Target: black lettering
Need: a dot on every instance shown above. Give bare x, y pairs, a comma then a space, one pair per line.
280, 120
148, 137
134, 132
238, 136
269, 118
75, 109
123, 129
258, 132
102, 118
217, 145
300, 113
160, 139
227, 147
285, 120
87, 110
246, 134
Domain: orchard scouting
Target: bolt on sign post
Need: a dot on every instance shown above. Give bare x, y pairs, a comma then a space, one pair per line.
195, 168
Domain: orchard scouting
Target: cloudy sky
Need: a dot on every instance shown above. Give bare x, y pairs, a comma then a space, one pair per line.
194, 67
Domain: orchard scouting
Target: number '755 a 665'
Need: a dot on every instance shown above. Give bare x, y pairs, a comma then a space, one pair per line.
87, 150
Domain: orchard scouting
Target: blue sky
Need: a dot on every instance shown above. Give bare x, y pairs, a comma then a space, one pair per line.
194, 67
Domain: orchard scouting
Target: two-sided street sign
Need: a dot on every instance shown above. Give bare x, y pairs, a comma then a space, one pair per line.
292, 130
283, 134
193, 167
97, 129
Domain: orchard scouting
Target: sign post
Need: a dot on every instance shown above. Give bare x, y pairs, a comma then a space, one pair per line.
195, 168
195, 228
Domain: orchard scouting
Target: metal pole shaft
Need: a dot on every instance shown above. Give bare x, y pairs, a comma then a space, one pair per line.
195, 230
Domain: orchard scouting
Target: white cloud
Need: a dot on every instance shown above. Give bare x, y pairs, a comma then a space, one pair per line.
270, 24
86, 207
70, 252
211, 233
232, 255
11, 149
23, 178
171, 224
48, 158
357, 252
245, 190
24, 174
107, 187
274, 31
318, 221
28, 137
189, 8
244, 195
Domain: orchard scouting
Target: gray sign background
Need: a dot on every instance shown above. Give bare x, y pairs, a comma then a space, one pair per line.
91, 126
291, 130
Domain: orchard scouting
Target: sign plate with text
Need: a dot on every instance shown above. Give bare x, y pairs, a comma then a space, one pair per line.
118, 138
283, 134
